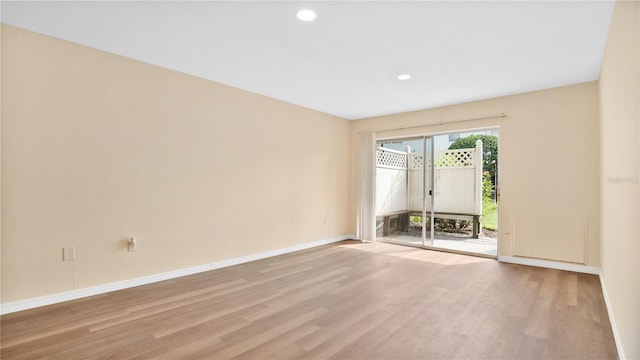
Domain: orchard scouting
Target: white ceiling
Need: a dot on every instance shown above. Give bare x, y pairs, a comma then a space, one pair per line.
346, 62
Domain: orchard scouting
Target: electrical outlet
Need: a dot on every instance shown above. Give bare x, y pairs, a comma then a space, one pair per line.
68, 253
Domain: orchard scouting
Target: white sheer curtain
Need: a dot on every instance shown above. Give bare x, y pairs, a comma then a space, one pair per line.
366, 177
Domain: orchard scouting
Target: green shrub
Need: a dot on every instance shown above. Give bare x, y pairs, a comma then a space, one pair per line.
487, 187
451, 225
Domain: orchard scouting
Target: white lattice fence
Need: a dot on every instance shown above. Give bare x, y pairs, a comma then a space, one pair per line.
455, 158
392, 159
448, 158
415, 161
457, 174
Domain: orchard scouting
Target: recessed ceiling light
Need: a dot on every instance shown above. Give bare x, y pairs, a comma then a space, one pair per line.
306, 15
404, 77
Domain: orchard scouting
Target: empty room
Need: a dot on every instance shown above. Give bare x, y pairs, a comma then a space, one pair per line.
320, 179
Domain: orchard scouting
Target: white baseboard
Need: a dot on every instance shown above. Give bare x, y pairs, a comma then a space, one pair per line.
612, 319
550, 264
119, 285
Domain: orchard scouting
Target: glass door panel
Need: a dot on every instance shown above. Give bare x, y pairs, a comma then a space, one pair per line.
458, 198
399, 191
433, 193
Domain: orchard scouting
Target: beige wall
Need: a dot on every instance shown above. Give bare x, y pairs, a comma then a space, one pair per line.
619, 127
548, 157
96, 148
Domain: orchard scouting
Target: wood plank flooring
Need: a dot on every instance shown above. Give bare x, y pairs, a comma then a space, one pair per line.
348, 300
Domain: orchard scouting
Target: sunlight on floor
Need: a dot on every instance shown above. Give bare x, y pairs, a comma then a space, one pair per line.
485, 246
414, 253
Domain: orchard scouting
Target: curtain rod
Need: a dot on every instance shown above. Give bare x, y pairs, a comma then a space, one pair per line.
501, 115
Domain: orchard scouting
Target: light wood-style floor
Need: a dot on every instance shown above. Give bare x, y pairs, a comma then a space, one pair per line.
348, 300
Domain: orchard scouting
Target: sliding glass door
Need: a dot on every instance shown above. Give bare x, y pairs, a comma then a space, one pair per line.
400, 189
430, 193
403, 187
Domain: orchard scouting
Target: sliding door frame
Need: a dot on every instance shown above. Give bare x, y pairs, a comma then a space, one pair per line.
431, 192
